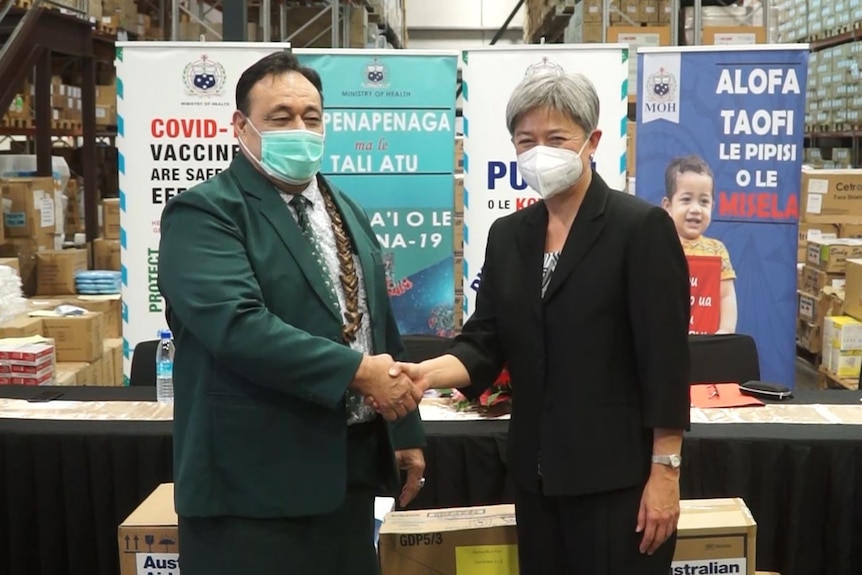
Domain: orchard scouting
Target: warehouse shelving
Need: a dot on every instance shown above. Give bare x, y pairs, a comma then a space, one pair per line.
32, 34
835, 135
327, 18
558, 14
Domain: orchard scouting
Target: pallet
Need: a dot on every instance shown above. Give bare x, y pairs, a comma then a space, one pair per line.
107, 30
16, 123
820, 128
65, 125
827, 380
832, 32
844, 127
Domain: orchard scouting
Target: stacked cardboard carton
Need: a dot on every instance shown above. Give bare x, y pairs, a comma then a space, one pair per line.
834, 99
106, 105
29, 223
638, 23
19, 114
842, 334
74, 208
307, 28
52, 347
106, 249
829, 158
586, 24
85, 347
66, 109
726, 25
27, 361
798, 20
392, 13
830, 236
113, 15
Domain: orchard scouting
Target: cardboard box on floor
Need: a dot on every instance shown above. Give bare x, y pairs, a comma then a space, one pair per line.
148, 537
459, 540
715, 536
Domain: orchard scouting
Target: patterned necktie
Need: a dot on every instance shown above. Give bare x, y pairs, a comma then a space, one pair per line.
301, 205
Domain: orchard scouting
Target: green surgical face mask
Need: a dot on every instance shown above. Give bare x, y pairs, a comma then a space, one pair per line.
290, 156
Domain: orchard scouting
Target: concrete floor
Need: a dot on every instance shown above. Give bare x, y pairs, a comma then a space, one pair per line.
806, 374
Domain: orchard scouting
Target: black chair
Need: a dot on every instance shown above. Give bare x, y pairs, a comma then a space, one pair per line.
144, 363
421, 347
726, 358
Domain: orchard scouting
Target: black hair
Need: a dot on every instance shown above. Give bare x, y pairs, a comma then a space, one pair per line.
681, 165
275, 64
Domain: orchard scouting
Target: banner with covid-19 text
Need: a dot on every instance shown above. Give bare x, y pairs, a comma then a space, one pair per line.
379, 107
719, 146
492, 185
175, 102
390, 144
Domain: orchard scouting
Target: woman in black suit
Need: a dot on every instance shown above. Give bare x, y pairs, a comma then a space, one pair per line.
585, 297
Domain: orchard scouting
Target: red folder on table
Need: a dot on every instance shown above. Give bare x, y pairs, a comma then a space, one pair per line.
706, 396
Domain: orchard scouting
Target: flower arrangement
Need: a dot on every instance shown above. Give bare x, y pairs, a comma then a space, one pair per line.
496, 401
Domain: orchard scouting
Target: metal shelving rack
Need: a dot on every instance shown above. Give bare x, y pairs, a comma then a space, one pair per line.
551, 29
235, 17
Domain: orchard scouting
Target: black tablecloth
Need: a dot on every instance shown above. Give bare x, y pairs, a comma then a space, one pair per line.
66, 485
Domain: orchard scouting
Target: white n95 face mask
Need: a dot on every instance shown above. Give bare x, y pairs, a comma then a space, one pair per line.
551, 171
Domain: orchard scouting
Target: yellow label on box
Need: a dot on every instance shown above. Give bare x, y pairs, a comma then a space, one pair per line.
486, 560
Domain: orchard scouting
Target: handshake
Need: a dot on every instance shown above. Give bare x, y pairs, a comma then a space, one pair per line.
393, 389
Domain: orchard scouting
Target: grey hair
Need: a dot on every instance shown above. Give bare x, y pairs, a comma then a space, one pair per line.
571, 94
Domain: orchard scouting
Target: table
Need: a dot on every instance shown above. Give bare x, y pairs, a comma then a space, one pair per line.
66, 485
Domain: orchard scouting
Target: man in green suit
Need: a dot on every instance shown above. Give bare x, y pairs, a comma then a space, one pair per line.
284, 337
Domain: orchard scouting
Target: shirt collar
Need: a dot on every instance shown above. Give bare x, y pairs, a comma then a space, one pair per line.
311, 193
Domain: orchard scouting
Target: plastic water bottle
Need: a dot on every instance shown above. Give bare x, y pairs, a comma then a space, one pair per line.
165, 367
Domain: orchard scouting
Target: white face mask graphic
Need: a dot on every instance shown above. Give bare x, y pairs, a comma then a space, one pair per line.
551, 171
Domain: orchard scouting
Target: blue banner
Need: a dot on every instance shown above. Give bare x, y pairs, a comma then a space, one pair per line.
719, 146
390, 145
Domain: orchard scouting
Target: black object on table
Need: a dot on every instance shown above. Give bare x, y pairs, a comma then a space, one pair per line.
65, 486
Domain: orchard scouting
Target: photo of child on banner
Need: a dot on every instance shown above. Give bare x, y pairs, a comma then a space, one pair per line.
689, 199
719, 140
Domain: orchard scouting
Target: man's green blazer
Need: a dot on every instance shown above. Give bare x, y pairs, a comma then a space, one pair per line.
260, 373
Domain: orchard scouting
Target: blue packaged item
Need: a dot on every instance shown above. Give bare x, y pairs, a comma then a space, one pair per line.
96, 275
98, 282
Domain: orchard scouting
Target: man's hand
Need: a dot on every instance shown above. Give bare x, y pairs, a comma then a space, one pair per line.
392, 396
419, 373
659, 509
414, 371
413, 462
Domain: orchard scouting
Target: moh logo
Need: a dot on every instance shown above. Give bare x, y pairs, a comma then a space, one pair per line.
662, 85
661, 92
375, 75
204, 78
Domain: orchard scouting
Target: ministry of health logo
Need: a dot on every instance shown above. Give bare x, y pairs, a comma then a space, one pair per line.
661, 86
375, 75
544, 67
204, 77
